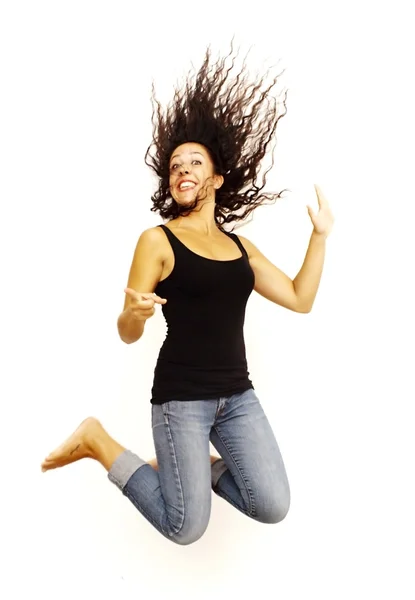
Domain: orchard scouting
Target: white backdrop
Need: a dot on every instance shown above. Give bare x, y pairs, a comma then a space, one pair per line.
337, 384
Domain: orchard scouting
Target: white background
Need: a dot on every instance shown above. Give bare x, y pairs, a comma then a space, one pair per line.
337, 384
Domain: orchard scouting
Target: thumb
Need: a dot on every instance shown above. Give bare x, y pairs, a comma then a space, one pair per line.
132, 293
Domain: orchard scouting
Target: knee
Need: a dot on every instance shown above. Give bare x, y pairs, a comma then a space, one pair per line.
188, 537
274, 508
190, 533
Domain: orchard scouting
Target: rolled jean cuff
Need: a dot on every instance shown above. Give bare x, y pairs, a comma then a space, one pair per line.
218, 469
124, 467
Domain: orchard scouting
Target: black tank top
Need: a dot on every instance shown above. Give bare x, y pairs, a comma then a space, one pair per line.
203, 355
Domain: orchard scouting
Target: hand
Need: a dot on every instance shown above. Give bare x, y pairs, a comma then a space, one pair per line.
142, 304
323, 220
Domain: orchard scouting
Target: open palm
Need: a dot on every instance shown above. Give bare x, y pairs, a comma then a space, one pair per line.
322, 220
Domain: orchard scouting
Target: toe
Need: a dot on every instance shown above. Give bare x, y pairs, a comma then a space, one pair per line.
47, 462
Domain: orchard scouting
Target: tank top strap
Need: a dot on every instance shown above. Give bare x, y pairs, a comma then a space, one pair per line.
175, 243
238, 242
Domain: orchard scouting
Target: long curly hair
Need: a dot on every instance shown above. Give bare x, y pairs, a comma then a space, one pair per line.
235, 120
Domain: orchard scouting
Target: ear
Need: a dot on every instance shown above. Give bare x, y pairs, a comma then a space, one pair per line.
218, 181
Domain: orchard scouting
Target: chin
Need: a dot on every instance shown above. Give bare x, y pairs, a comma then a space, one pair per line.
186, 201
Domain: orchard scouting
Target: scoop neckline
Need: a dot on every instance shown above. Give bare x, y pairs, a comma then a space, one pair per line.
229, 260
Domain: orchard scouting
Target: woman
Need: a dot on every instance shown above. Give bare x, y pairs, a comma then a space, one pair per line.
207, 150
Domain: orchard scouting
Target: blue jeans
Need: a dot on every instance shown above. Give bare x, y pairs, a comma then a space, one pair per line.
176, 499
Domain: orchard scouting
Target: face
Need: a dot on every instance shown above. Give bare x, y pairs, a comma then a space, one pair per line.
192, 174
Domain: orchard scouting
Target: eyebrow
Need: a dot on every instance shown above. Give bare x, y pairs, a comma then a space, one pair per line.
190, 153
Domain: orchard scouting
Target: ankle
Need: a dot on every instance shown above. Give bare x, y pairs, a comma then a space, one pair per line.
103, 448
95, 439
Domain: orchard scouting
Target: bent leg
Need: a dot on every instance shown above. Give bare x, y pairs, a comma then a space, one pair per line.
176, 499
251, 475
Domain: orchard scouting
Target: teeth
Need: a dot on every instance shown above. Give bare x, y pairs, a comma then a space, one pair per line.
185, 186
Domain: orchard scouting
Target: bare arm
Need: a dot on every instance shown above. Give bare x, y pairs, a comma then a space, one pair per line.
145, 272
307, 281
270, 282
297, 295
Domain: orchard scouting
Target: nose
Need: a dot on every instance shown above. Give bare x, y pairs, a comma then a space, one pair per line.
184, 170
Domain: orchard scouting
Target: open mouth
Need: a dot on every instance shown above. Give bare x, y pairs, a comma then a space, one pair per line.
186, 186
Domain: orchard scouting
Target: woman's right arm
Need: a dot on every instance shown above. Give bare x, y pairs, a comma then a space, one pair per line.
145, 273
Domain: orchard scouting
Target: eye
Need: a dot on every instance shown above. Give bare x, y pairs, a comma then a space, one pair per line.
197, 161
173, 167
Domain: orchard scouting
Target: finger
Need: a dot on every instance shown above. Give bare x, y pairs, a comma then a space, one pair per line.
143, 307
145, 312
322, 201
152, 296
139, 296
145, 304
318, 194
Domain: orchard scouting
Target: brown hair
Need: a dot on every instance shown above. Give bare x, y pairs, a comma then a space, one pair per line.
235, 120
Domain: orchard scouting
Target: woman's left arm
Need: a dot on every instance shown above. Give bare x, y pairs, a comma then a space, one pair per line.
297, 294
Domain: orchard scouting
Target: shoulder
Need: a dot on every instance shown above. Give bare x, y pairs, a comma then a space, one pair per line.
152, 233
155, 240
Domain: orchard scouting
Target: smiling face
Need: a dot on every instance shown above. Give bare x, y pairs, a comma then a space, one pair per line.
192, 174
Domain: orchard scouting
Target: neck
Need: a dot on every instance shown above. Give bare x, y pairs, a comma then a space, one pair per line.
201, 220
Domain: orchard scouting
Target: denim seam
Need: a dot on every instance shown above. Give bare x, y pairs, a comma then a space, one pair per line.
229, 499
252, 507
175, 530
144, 512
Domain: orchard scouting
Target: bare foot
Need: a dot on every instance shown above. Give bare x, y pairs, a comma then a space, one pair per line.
77, 446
